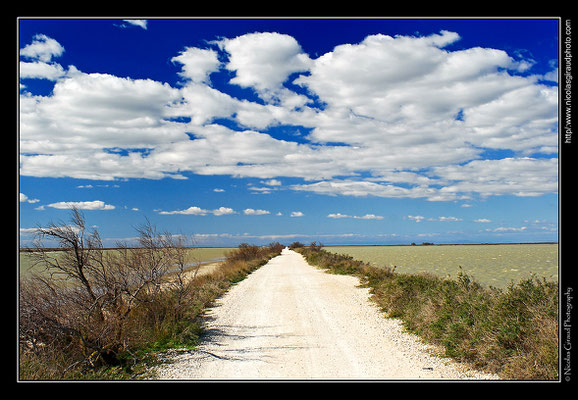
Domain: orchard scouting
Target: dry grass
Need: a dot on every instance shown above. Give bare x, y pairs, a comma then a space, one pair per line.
115, 308
512, 332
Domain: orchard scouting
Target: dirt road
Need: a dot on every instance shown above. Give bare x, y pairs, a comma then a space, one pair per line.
289, 320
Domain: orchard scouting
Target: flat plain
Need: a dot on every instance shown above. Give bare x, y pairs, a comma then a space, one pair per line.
203, 255
489, 264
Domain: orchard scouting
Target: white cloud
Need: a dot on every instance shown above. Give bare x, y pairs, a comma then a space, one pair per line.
194, 210
40, 66
142, 23
88, 120
338, 215
250, 211
28, 231
507, 229
445, 219
551, 76
366, 216
202, 104
197, 63
42, 48
263, 61
523, 119
98, 111
400, 90
419, 218
26, 199
297, 214
261, 190
411, 118
518, 176
41, 70
363, 188
272, 182
483, 220
223, 211
82, 205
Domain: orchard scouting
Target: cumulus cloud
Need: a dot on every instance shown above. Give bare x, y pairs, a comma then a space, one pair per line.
445, 219
98, 123
272, 182
398, 117
397, 91
223, 211
366, 216
42, 48
41, 70
264, 60
142, 23
297, 214
338, 215
416, 218
98, 111
518, 176
250, 211
26, 199
82, 205
197, 64
194, 210
28, 231
359, 188
40, 54
507, 229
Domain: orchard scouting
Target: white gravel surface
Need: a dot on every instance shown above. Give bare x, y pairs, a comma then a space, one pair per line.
289, 320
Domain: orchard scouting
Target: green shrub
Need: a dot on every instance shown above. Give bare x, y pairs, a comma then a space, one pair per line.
511, 332
97, 315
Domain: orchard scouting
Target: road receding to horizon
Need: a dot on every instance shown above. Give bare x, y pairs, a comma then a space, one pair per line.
289, 320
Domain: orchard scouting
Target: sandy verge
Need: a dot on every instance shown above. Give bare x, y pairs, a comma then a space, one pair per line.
203, 269
289, 320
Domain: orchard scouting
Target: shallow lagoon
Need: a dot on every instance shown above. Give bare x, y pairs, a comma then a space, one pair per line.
495, 265
194, 255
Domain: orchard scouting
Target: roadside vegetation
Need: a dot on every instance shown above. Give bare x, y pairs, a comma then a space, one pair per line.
512, 332
94, 314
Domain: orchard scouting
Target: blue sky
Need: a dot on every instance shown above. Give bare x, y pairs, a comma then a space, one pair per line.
363, 131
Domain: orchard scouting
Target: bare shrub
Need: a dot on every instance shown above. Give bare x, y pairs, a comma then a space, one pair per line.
86, 302
92, 307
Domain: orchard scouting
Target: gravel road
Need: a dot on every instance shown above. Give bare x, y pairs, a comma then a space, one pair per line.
289, 320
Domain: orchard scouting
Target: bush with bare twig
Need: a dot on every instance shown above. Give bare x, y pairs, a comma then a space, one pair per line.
91, 308
83, 305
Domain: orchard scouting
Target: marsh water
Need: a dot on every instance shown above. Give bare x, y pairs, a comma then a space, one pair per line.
496, 265
195, 255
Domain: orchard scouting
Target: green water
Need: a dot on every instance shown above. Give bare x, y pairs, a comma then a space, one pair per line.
495, 265
194, 255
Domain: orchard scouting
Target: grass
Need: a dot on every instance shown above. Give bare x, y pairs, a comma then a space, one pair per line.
512, 332
52, 348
